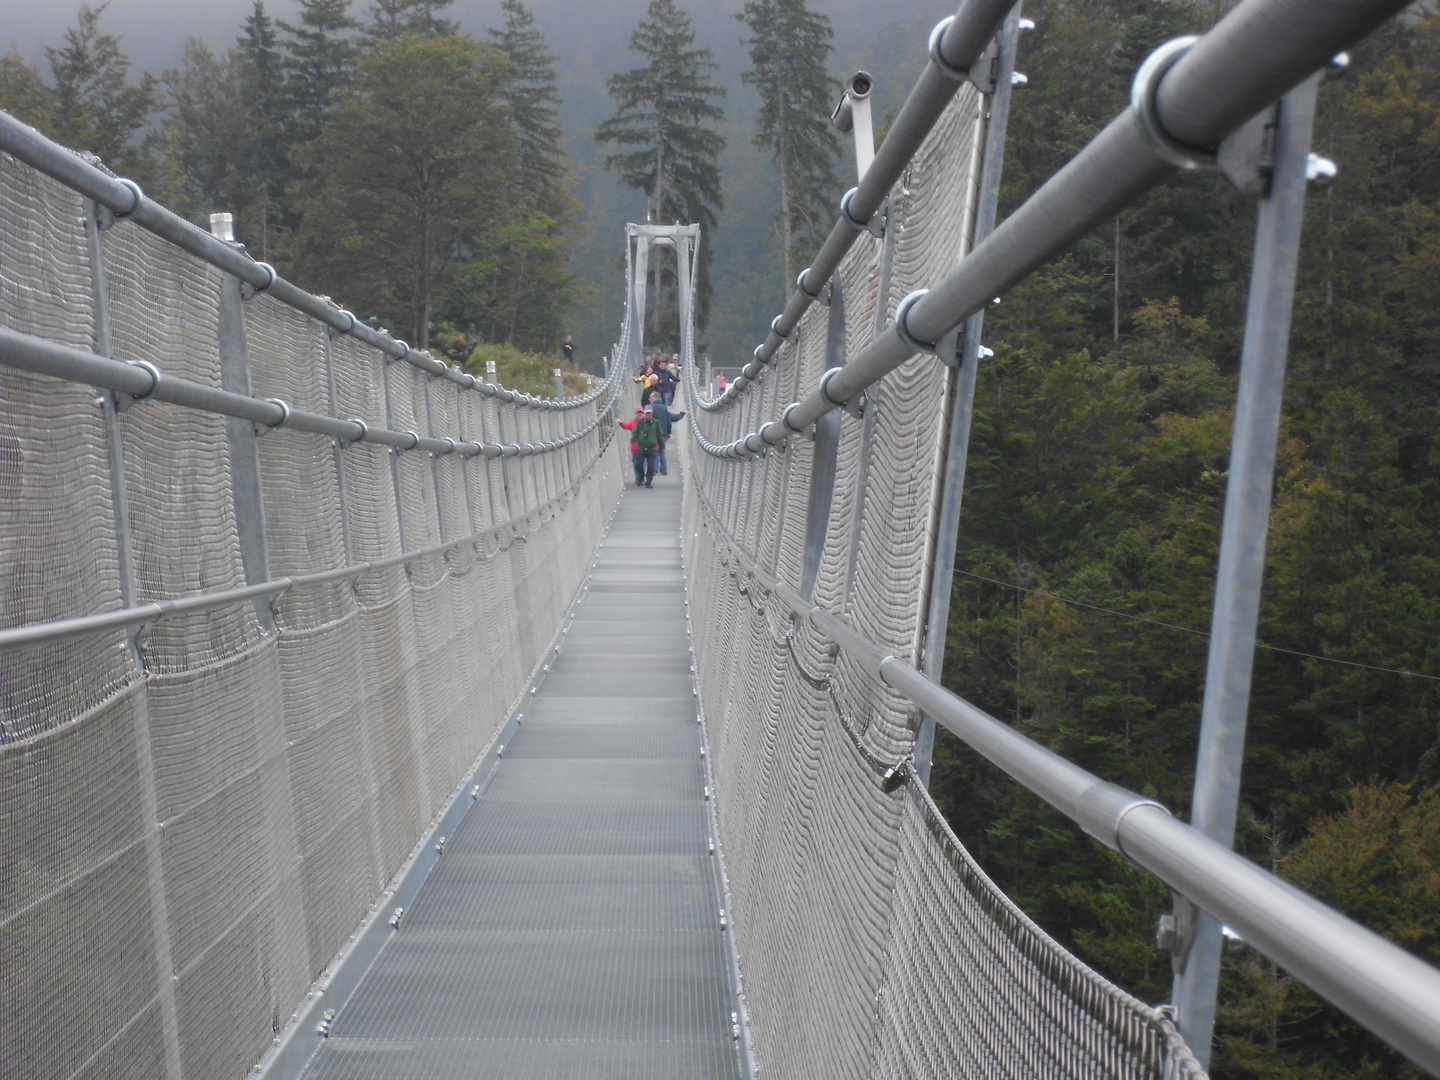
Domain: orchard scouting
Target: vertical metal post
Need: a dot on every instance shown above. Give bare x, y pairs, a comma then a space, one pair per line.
490, 499
752, 506
517, 413
334, 400
434, 465
114, 439
1243, 534
685, 285
963, 405
826, 451
95, 221
462, 430
637, 302
244, 448
546, 422
559, 385
491, 377
867, 424
787, 448
394, 453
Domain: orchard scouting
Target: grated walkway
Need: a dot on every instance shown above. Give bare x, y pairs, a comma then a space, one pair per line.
571, 928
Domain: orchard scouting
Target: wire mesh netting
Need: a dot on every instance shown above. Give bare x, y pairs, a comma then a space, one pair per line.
196, 816
871, 944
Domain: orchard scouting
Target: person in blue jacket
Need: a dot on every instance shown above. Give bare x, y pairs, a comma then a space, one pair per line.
666, 380
667, 420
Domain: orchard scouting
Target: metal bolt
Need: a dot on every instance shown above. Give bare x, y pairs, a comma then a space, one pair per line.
1320, 171
1167, 934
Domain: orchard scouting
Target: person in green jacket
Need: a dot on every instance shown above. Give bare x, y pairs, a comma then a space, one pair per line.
649, 441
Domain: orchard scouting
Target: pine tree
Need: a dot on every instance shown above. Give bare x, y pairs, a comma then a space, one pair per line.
95, 105
663, 125
262, 74
211, 135
318, 59
391, 19
23, 93
408, 189
788, 52
532, 99
528, 287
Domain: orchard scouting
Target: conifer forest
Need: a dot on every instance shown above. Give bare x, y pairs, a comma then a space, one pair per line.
393, 155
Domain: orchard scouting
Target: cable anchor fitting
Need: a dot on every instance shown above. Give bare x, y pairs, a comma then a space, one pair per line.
875, 225
1142, 107
155, 378
249, 291
284, 408
937, 57
902, 329
121, 215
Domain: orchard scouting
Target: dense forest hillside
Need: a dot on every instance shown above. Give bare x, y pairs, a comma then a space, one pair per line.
1091, 518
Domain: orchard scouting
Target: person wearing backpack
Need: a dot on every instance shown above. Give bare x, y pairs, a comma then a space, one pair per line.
649, 440
667, 420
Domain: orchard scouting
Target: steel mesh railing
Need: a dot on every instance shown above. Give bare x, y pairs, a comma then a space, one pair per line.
843, 877
209, 774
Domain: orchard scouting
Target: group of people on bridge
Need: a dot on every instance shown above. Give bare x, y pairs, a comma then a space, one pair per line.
653, 421
659, 372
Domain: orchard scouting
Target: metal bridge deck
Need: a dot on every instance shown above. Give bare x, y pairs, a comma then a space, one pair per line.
571, 929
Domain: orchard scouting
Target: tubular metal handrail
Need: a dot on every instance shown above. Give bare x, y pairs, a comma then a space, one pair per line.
1252, 56
1391, 992
127, 202
143, 380
955, 44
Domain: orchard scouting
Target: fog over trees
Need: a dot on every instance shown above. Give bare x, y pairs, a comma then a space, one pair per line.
590, 42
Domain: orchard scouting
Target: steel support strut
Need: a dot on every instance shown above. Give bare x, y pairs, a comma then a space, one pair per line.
962, 407
245, 480
1242, 536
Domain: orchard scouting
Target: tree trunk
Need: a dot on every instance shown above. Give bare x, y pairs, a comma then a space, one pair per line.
1115, 291
787, 236
423, 286
654, 290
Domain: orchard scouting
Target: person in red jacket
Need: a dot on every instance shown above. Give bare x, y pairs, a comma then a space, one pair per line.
637, 460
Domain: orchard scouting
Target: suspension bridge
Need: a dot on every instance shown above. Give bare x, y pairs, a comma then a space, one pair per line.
359, 722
